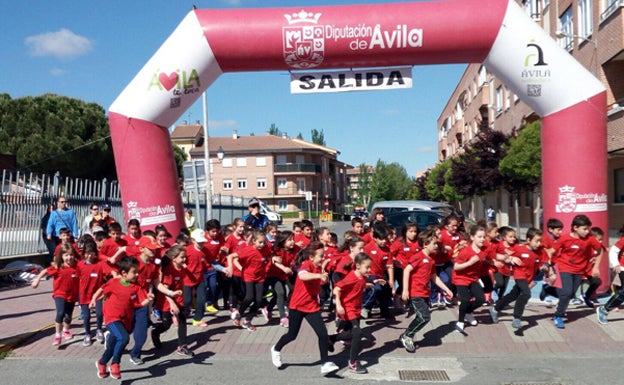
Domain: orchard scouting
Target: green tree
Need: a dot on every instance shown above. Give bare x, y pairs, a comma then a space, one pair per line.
180, 157
300, 136
389, 182
318, 137
439, 186
364, 185
50, 133
274, 130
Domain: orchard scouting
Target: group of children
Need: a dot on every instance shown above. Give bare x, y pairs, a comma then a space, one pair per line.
127, 278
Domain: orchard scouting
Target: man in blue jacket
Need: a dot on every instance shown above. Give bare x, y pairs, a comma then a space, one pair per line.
59, 218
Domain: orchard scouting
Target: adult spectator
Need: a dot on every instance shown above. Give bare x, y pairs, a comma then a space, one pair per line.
104, 217
189, 220
255, 220
490, 214
63, 216
50, 245
86, 223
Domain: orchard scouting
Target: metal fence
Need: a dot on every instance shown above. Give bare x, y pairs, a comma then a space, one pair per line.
24, 199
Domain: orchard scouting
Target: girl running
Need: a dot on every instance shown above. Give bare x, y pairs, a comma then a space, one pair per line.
279, 272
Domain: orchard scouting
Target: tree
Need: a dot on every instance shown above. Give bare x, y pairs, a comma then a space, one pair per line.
274, 130
300, 136
438, 184
50, 133
418, 190
389, 182
180, 157
364, 184
318, 137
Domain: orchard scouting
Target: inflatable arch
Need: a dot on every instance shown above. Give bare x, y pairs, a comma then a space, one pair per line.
207, 43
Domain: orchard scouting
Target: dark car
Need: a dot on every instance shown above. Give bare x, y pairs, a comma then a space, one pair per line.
363, 214
422, 218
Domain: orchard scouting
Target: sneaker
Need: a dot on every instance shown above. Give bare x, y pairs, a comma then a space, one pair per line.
200, 324
67, 334
136, 360
80, 316
365, 313
276, 357
101, 369
99, 336
494, 315
265, 313
284, 322
237, 322
328, 367
211, 309
576, 301
86, 341
548, 302
471, 319
156, 314
356, 367
248, 326
156, 339
559, 322
516, 323
602, 314
184, 351
459, 327
408, 343
234, 314
588, 302
56, 340
115, 371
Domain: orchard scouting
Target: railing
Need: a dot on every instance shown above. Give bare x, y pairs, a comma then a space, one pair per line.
297, 167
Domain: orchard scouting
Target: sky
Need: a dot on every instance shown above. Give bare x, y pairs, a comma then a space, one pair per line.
90, 50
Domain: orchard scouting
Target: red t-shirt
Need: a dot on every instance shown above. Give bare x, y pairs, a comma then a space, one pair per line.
420, 277
403, 253
302, 238
234, 245
472, 273
110, 247
367, 237
345, 264
448, 240
547, 241
213, 246
75, 247
91, 276
197, 262
148, 274
531, 261
382, 259
488, 264
305, 296
331, 253
288, 260
254, 263
66, 283
573, 253
351, 295
506, 251
174, 280
121, 299
132, 248
159, 254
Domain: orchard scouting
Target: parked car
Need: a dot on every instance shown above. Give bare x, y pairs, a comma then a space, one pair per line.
422, 218
272, 215
389, 207
363, 214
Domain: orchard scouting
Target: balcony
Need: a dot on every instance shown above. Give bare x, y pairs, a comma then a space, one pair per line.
297, 168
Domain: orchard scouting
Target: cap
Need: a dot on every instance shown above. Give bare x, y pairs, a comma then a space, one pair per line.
254, 202
198, 235
106, 207
148, 242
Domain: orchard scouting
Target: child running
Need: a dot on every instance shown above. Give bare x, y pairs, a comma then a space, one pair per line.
304, 304
122, 298
279, 272
65, 289
91, 273
616, 261
418, 276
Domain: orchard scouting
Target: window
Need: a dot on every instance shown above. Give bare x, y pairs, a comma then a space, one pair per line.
566, 29
242, 184
608, 7
586, 26
227, 184
302, 205
282, 182
280, 159
260, 161
499, 99
482, 76
241, 161
261, 183
299, 159
301, 185
227, 162
531, 7
619, 185
282, 205
507, 100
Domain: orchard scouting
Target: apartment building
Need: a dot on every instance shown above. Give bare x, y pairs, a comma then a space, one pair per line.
592, 32
187, 137
355, 184
278, 170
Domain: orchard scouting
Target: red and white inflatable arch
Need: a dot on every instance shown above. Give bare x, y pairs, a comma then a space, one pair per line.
498, 33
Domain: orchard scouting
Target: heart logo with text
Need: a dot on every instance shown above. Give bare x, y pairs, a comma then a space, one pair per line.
168, 81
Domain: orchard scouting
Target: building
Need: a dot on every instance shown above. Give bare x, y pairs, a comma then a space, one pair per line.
592, 31
188, 137
355, 184
276, 169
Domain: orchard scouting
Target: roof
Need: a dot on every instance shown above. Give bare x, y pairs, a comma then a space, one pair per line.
260, 144
186, 131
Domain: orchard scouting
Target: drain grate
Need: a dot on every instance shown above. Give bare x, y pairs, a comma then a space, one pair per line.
423, 375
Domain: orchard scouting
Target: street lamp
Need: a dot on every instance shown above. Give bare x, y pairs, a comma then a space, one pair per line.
559, 34
220, 153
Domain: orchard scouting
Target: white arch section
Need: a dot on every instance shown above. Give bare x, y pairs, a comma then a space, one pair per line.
208, 43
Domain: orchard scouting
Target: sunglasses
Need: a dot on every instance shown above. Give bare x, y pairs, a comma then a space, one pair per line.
95, 208
62, 201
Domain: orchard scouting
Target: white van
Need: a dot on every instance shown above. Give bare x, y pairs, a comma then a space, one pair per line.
389, 207
272, 215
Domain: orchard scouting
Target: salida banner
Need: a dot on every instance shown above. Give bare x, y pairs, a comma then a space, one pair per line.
353, 80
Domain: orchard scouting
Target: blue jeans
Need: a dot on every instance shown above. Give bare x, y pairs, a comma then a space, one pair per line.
64, 310
445, 273
200, 299
115, 343
86, 317
139, 330
210, 279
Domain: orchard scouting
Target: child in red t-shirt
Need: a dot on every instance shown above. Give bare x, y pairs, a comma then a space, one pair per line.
279, 272
487, 268
418, 277
592, 270
466, 272
353, 245
505, 250
451, 241
252, 261
231, 283
304, 238
65, 289
403, 249
348, 294
114, 247
383, 268
122, 298
304, 304
91, 272
171, 304
66, 238
198, 261
527, 260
